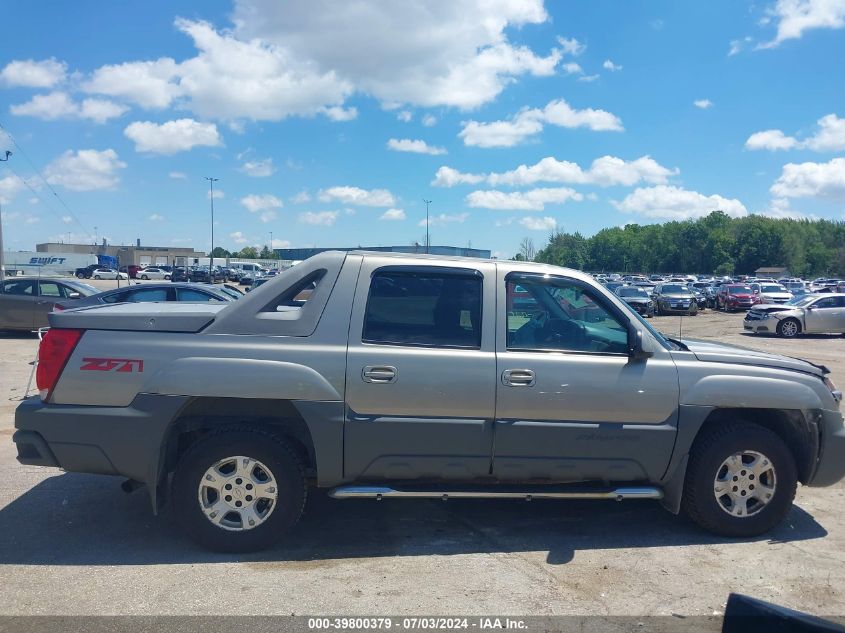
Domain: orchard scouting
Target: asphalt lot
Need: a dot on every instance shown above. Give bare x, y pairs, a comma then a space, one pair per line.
75, 544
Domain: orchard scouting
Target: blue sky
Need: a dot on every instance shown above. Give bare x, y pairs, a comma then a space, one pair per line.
327, 123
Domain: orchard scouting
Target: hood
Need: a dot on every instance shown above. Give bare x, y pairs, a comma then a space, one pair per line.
744, 295
636, 299
773, 307
720, 353
676, 295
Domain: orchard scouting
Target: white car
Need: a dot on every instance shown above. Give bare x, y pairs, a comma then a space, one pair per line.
774, 293
153, 273
108, 273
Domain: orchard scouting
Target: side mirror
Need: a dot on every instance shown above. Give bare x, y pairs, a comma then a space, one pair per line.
74, 295
635, 345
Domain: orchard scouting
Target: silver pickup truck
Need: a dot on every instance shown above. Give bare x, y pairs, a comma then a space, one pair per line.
381, 375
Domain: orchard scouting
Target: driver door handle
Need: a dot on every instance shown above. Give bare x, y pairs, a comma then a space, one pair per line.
518, 378
379, 374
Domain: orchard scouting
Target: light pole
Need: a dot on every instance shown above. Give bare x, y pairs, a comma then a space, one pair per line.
271, 246
2, 265
427, 240
211, 182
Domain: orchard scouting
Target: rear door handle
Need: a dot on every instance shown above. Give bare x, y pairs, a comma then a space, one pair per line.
379, 374
518, 378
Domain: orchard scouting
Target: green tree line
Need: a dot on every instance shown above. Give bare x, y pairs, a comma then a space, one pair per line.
247, 252
715, 244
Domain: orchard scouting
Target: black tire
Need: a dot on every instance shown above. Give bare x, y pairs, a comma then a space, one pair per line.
145, 277
96, 276
167, 277
785, 330
80, 276
273, 452
708, 453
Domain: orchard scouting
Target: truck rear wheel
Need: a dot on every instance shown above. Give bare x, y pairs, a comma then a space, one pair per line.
239, 490
740, 481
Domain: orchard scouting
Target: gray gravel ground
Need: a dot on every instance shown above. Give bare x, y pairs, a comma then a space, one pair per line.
76, 544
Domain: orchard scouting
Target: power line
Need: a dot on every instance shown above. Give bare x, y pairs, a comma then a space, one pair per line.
43, 179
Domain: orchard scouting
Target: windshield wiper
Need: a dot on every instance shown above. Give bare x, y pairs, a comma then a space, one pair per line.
679, 343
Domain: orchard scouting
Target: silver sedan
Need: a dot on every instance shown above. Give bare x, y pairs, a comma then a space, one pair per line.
809, 314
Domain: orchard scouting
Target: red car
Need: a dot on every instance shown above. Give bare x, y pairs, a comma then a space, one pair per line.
736, 297
131, 270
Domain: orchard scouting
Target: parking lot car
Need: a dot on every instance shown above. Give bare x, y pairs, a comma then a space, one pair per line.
808, 314
152, 272
108, 273
381, 375
773, 293
143, 293
638, 298
732, 297
674, 298
26, 301
180, 273
202, 274
86, 271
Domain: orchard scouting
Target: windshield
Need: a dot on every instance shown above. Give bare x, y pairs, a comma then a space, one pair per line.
632, 292
802, 300
773, 288
675, 290
740, 290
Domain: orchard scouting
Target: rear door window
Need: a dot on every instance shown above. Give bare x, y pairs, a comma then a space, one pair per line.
424, 308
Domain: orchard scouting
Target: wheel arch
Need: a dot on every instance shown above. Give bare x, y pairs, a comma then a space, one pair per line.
797, 428
314, 430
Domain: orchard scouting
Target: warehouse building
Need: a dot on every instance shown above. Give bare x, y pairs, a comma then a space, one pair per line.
128, 255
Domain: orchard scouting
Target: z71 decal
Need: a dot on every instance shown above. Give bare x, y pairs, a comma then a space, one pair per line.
127, 365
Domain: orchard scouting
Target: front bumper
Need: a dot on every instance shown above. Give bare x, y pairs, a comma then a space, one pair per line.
767, 324
830, 467
668, 308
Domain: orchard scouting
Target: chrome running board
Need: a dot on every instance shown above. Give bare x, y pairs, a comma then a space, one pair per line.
384, 492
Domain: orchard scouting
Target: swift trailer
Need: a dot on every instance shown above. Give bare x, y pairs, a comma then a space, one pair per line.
382, 375
45, 264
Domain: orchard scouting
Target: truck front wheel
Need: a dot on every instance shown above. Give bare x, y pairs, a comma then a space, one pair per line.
740, 481
239, 490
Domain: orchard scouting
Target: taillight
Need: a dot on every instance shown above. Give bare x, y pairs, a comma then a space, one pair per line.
53, 354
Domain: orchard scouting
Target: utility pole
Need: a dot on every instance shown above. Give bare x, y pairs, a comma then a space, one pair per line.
211, 182
427, 239
2, 264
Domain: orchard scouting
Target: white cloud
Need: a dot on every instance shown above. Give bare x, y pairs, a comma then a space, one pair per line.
538, 224
10, 186
255, 203
267, 216
155, 217
173, 136
806, 180
258, 168
340, 114
323, 218
529, 122
703, 103
178, 175
358, 197
429, 120
405, 116
737, 45
393, 214
445, 218
780, 208
302, 196
830, 137
589, 78
85, 170
448, 177
238, 237
675, 203
218, 193
794, 17
571, 46
606, 171
411, 52
770, 140
58, 105
572, 68
531, 200
29, 73
66, 219
609, 65
148, 84
414, 146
